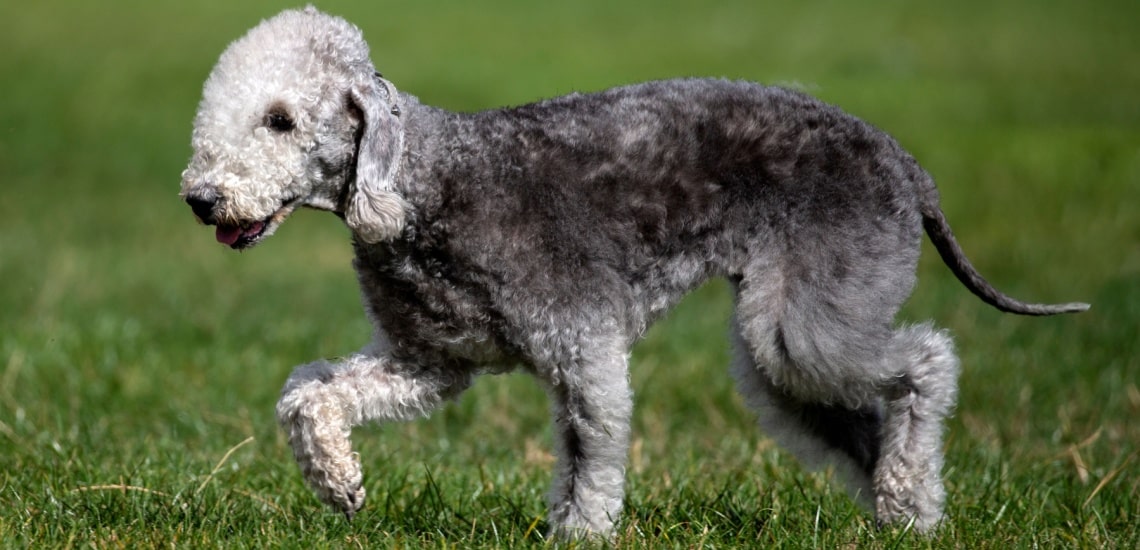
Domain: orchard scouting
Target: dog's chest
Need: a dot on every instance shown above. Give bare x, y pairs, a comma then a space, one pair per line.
425, 310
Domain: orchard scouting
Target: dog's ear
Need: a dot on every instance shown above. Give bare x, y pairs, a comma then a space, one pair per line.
375, 212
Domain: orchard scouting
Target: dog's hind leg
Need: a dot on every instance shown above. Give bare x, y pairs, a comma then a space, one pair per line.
908, 475
888, 448
835, 382
322, 401
854, 393
819, 435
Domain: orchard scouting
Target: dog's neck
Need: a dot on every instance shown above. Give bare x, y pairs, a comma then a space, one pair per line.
431, 135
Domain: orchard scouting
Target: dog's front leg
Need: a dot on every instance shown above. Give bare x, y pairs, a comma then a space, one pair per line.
592, 404
322, 401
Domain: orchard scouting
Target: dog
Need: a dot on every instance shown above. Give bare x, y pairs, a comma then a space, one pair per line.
549, 236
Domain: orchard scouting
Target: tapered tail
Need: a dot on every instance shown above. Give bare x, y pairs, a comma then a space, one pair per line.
934, 221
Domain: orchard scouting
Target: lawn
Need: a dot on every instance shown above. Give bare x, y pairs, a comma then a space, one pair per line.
140, 361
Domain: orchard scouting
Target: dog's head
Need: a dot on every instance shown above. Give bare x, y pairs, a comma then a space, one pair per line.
294, 114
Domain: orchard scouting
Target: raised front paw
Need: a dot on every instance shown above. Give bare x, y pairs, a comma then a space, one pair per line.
339, 484
315, 413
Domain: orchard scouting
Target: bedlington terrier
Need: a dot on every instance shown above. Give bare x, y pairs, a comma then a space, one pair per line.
549, 236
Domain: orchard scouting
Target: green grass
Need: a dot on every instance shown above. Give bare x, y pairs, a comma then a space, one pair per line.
140, 361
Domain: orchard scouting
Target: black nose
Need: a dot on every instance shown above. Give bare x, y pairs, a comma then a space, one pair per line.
203, 208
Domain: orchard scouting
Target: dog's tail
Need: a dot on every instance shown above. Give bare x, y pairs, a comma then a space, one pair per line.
934, 221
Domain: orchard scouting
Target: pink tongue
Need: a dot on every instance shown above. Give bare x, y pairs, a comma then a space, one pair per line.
227, 235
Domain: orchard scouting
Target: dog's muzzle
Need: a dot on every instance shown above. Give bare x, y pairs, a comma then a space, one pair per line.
237, 234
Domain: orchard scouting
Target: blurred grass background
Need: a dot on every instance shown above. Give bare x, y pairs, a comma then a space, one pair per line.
135, 352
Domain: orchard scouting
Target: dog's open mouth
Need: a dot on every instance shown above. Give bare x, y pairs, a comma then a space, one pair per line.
249, 233
240, 236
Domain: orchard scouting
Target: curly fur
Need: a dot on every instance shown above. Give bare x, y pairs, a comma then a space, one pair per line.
553, 234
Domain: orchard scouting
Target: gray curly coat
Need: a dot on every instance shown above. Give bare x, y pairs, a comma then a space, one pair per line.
550, 236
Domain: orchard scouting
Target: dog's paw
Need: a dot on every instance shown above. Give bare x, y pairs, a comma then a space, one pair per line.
909, 498
570, 522
332, 469
340, 486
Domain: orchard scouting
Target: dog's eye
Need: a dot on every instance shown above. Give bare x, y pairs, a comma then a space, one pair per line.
279, 121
